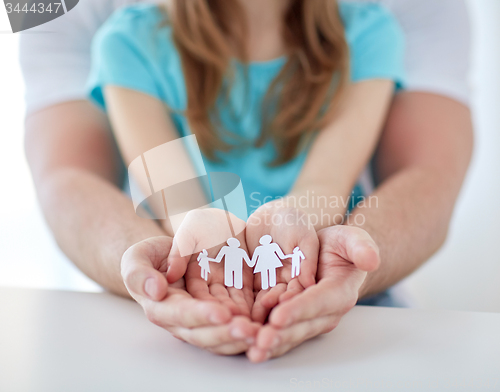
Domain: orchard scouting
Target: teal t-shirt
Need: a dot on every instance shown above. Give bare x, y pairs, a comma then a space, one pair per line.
135, 50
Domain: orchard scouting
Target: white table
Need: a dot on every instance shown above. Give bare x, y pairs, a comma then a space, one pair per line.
66, 341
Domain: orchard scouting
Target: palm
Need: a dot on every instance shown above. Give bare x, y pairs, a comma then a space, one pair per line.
201, 230
288, 237
240, 302
336, 261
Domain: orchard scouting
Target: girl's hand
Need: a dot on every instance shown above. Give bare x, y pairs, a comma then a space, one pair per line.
289, 227
209, 229
347, 254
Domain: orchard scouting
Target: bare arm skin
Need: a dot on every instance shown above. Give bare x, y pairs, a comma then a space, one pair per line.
421, 162
341, 151
336, 158
76, 170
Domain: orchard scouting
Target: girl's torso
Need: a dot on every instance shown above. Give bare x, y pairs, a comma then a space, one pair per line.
135, 49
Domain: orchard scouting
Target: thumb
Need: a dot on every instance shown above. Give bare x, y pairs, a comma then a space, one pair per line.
178, 259
140, 268
352, 244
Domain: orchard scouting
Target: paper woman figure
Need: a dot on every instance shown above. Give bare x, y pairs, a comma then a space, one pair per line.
204, 263
267, 258
233, 265
297, 256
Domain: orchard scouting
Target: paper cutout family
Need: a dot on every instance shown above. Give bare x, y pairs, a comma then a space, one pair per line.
266, 259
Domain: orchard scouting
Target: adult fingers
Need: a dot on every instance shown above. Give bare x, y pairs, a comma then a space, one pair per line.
230, 348
141, 265
272, 342
179, 256
309, 245
180, 310
239, 330
351, 243
328, 296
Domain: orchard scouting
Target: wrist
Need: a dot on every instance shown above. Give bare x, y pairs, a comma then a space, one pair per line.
322, 210
365, 290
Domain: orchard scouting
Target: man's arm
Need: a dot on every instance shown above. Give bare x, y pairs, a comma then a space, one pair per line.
421, 162
76, 169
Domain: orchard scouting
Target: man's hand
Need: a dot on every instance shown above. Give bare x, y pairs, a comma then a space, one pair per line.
346, 255
289, 227
204, 323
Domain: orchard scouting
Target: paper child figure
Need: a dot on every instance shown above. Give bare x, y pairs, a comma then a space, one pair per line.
233, 265
297, 256
204, 263
267, 258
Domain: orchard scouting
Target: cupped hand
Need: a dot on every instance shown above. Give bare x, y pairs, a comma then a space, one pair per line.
209, 229
207, 324
288, 227
346, 255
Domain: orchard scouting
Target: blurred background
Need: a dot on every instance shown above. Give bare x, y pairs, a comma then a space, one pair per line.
464, 275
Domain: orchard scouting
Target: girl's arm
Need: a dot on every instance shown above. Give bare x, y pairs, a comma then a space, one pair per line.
341, 151
336, 158
140, 123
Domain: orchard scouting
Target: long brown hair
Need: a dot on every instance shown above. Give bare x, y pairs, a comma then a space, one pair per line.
208, 33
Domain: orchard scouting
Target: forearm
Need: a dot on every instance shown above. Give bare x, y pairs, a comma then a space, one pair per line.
422, 159
408, 218
340, 152
324, 206
93, 222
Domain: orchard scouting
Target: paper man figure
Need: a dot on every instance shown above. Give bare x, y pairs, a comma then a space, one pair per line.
297, 256
233, 265
204, 263
266, 259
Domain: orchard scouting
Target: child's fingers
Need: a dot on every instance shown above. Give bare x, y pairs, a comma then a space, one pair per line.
271, 298
221, 293
230, 348
239, 299
259, 311
293, 288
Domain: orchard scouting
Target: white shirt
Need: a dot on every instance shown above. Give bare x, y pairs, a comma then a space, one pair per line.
56, 64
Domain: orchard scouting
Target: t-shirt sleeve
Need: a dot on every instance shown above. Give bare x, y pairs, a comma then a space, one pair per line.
55, 56
438, 41
121, 56
376, 43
